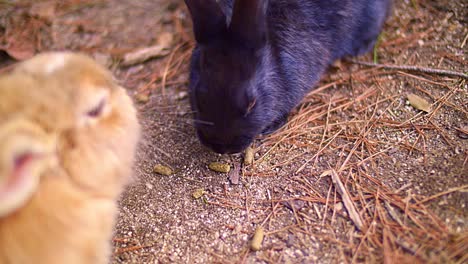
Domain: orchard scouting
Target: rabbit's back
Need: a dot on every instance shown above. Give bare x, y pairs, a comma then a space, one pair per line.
308, 35
345, 27
305, 36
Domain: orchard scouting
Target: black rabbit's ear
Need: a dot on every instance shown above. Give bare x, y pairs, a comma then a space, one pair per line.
208, 19
249, 22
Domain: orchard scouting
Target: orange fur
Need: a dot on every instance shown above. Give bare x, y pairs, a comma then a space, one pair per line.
70, 216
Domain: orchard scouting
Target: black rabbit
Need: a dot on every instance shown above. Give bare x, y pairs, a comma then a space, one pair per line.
256, 59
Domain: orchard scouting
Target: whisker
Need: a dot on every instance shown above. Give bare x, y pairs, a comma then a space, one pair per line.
203, 122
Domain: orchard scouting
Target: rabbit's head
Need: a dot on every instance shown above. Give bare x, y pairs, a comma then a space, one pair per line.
62, 114
227, 73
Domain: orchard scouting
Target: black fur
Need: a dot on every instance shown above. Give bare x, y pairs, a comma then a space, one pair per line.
249, 70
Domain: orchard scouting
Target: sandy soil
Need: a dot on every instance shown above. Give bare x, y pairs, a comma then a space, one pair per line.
404, 169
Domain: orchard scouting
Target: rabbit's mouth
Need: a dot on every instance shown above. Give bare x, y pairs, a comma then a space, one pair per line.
225, 147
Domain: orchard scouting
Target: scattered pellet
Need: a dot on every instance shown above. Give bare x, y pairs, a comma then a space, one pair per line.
198, 193
219, 167
257, 239
419, 103
142, 98
249, 156
163, 170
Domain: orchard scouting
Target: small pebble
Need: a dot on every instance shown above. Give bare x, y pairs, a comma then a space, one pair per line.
103, 59
162, 170
237, 229
234, 175
339, 206
219, 167
182, 95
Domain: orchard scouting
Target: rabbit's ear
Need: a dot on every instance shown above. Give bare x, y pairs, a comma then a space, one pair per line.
249, 22
24, 156
208, 19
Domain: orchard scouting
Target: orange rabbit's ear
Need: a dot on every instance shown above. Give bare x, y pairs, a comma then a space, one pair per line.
24, 156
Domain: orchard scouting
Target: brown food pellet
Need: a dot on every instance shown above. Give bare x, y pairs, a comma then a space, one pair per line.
198, 193
219, 167
163, 170
419, 103
249, 156
257, 239
142, 98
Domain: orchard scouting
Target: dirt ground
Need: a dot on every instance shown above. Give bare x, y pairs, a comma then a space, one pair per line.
404, 170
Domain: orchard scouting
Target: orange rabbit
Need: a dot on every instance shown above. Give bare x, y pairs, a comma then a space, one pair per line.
68, 135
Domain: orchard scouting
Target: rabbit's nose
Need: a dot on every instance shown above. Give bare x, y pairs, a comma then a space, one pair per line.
214, 142
214, 137
219, 148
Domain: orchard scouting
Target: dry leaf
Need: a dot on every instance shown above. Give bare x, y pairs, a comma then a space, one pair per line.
234, 175
20, 51
419, 103
44, 10
160, 49
294, 205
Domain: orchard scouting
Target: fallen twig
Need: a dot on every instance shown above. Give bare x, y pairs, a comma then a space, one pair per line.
353, 213
142, 55
413, 68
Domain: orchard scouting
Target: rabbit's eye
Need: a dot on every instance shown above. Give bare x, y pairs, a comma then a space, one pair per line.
98, 109
250, 107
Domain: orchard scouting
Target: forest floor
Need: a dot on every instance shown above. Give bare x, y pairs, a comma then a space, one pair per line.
361, 173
